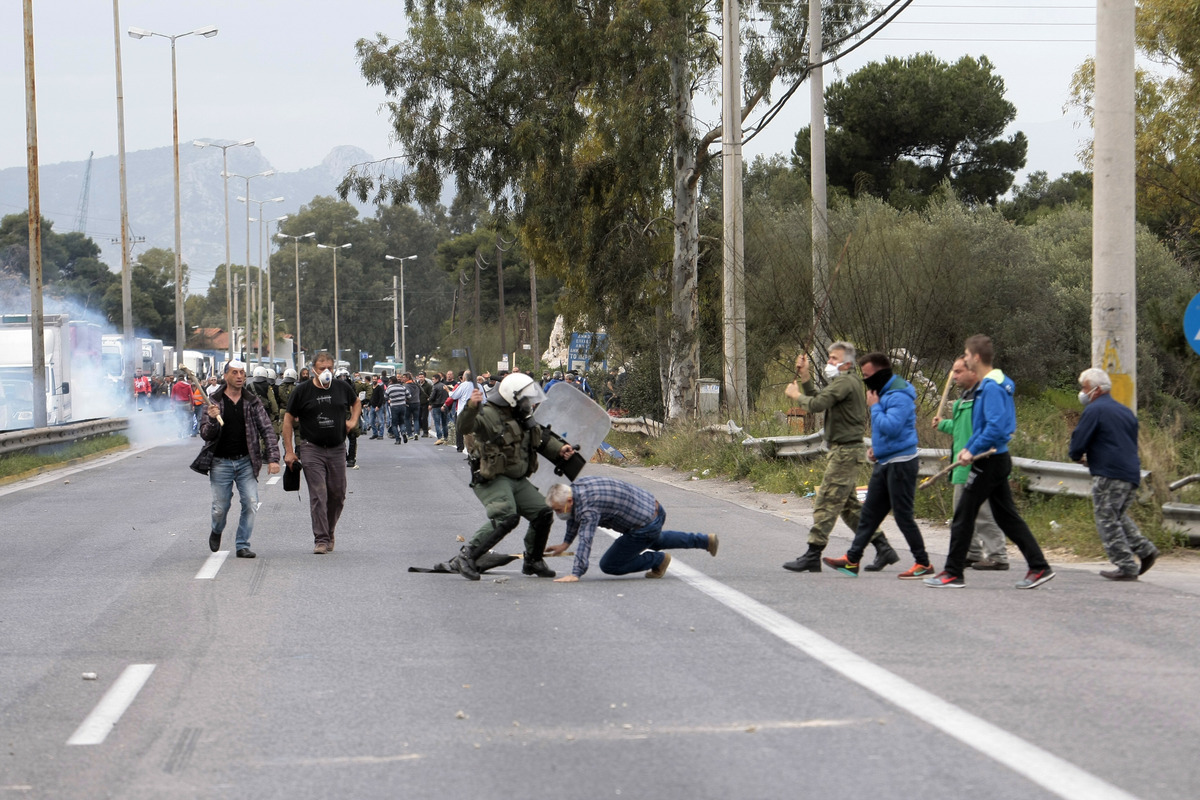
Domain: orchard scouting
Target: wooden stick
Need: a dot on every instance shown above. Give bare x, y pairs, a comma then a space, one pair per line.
930, 480
191, 379
945, 393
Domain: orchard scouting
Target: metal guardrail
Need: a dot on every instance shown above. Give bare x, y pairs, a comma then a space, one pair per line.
33, 438
1185, 518
642, 425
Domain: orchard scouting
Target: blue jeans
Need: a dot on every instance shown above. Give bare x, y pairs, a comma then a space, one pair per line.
439, 422
399, 423
378, 420
414, 414
626, 554
225, 472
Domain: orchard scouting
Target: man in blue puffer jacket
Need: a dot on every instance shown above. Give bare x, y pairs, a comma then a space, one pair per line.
993, 421
893, 404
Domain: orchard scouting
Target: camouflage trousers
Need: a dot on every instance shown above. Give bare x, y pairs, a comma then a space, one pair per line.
1118, 533
837, 496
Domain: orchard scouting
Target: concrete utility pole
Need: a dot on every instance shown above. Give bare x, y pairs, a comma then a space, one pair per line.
533, 311
817, 181
36, 321
500, 281
126, 267
733, 258
1114, 267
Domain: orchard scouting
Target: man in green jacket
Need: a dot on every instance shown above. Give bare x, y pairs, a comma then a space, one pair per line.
988, 550
503, 454
844, 402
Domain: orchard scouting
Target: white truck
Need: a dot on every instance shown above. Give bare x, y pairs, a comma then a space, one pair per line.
68, 345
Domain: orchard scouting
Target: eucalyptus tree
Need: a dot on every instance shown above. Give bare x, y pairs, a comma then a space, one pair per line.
578, 121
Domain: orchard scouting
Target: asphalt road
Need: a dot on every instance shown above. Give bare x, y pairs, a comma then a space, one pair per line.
345, 676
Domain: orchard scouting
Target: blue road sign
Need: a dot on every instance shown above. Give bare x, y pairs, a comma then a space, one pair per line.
1191, 323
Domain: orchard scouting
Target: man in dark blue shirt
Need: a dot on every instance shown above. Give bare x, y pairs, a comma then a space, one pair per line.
1107, 437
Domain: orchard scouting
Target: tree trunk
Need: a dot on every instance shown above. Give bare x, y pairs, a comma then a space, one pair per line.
683, 354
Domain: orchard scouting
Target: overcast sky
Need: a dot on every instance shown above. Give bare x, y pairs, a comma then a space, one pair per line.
283, 72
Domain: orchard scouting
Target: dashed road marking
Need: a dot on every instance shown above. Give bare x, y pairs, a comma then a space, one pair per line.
116, 700
212, 566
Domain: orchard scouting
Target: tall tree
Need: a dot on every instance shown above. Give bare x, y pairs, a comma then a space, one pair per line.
900, 127
578, 119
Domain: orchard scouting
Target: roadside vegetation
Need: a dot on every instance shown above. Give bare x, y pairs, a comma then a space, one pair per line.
21, 464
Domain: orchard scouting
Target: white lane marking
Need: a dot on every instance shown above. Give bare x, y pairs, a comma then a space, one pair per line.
274, 479
116, 700
212, 566
1045, 769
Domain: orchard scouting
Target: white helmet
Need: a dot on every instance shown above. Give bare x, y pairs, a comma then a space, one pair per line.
260, 372
342, 373
520, 390
289, 376
271, 374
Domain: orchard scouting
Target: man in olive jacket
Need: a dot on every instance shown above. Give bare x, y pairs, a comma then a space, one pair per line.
844, 402
503, 455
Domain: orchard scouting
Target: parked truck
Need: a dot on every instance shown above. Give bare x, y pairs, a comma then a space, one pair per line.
71, 347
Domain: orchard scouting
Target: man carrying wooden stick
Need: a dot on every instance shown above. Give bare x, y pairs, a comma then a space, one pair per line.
844, 402
987, 545
993, 421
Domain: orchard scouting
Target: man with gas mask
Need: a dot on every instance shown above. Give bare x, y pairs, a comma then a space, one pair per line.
503, 455
325, 411
845, 405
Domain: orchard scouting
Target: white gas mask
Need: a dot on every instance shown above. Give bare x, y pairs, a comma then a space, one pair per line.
326, 378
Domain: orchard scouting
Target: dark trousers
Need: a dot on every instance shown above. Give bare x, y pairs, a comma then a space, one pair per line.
892, 488
325, 475
424, 419
988, 483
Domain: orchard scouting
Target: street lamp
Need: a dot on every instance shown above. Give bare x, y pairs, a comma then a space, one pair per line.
250, 219
270, 302
228, 265
296, 241
207, 32
336, 341
247, 179
402, 356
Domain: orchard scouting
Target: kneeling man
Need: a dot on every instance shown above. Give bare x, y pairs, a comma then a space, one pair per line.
634, 513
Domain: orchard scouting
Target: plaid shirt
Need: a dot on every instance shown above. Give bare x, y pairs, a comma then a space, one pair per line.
615, 504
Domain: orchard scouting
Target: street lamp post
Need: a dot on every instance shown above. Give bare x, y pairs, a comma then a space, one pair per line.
296, 241
247, 179
336, 340
268, 298
207, 32
247, 200
403, 345
228, 265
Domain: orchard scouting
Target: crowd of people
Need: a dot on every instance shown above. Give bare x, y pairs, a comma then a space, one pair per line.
314, 420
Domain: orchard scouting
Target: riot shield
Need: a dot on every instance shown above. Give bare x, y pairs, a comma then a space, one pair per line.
576, 418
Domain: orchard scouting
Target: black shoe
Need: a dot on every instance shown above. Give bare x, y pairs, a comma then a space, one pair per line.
214, 541
245, 552
809, 562
1118, 575
1148, 562
884, 555
351, 464
538, 568
465, 564
397, 441
404, 436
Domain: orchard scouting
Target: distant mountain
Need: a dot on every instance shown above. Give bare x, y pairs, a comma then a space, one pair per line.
152, 200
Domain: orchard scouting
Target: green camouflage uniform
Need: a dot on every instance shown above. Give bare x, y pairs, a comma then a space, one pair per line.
844, 402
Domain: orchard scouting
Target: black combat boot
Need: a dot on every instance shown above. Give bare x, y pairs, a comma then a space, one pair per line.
809, 562
464, 563
535, 550
884, 555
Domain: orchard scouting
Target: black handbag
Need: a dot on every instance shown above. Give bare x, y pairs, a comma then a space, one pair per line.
291, 477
